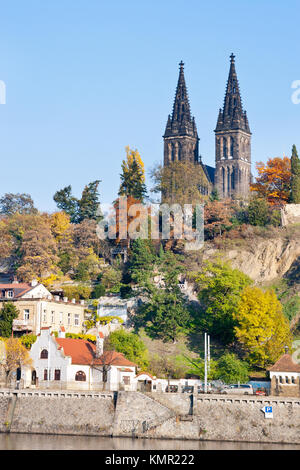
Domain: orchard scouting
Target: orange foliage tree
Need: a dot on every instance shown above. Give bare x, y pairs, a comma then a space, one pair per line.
274, 180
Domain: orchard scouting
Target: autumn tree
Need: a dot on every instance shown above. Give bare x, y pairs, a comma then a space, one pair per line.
180, 182
16, 357
261, 329
274, 180
295, 177
217, 217
133, 176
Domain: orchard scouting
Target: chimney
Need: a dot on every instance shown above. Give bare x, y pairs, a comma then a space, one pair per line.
99, 343
56, 297
34, 283
61, 332
82, 302
73, 301
65, 299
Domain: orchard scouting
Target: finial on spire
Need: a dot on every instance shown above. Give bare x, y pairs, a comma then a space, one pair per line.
232, 57
181, 65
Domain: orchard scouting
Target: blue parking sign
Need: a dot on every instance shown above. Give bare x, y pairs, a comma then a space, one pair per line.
268, 410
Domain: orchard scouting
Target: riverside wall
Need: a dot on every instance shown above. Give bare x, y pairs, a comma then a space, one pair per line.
151, 415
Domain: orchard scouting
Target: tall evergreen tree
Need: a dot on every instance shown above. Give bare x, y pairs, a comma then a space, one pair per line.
79, 209
8, 314
295, 177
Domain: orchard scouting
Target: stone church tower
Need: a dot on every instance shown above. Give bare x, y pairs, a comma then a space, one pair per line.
181, 137
233, 143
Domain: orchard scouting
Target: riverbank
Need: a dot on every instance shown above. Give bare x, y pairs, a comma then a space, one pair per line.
150, 416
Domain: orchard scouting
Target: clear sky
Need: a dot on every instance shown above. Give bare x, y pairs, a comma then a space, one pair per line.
85, 78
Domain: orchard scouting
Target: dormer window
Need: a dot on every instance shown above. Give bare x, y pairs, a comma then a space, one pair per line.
10, 294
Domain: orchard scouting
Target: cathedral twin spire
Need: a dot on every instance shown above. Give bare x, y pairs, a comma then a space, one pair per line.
233, 148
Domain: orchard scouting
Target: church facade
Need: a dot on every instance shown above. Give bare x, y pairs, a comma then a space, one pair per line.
231, 176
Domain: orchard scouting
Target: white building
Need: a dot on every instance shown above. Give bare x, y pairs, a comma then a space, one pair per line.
66, 363
114, 306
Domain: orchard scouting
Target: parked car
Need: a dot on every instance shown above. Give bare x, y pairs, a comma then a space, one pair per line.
244, 389
172, 388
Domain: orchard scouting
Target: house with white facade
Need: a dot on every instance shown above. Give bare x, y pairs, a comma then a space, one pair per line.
76, 364
285, 377
38, 308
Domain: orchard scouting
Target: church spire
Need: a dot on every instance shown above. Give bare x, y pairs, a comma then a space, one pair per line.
232, 115
181, 121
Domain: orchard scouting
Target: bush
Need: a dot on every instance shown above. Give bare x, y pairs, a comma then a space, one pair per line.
98, 291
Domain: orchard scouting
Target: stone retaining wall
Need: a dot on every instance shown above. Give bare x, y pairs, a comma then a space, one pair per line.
151, 415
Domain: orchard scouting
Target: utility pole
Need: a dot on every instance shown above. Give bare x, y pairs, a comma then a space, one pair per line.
206, 359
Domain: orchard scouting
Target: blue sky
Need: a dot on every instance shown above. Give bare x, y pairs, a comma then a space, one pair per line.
86, 78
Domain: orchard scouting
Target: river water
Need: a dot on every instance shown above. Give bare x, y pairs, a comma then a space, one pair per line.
57, 442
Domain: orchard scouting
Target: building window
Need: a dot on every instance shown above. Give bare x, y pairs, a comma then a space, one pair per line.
52, 317
45, 316
10, 294
80, 376
126, 380
26, 314
60, 317
293, 380
76, 319
69, 319
44, 354
46, 374
57, 374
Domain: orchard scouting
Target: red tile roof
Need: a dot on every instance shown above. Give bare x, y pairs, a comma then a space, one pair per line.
83, 352
285, 364
19, 288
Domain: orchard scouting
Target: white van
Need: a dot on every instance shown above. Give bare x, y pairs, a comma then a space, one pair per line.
244, 389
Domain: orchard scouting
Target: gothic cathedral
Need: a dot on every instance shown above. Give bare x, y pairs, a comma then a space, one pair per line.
232, 174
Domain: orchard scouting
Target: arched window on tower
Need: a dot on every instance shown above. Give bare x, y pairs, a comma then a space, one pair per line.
224, 147
223, 180
231, 146
173, 153
179, 151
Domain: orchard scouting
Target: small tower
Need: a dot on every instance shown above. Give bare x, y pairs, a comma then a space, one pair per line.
233, 143
181, 137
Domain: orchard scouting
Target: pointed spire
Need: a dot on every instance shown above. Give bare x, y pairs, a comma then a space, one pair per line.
232, 116
181, 121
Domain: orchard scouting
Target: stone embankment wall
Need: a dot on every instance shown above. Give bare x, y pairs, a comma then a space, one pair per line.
151, 415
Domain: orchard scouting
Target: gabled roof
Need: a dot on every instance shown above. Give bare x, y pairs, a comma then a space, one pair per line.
19, 288
84, 353
285, 364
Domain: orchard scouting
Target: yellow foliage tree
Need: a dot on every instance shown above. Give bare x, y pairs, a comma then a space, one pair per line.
15, 357
262, 329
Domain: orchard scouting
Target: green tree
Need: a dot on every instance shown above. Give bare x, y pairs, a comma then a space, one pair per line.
141, 261
131, 345
219, 290
8, 314
295, 177
67, 203
98, 291
232, 370
258, 211
87, 207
